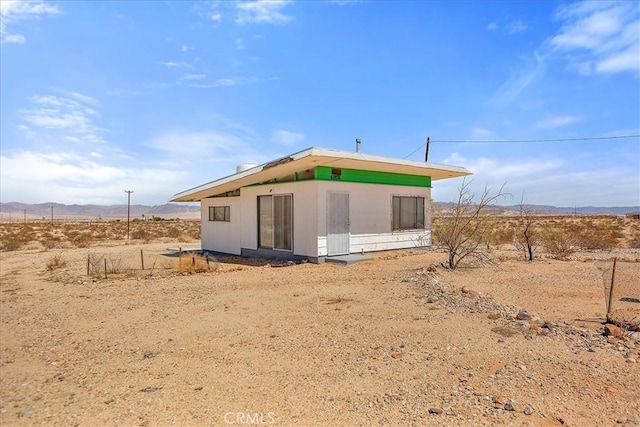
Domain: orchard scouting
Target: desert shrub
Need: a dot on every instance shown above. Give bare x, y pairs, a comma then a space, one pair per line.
116, 265
558, 242
141, 234
56, 262
82, 240
193, 263
172, 232
13, 241
502, 235
95, 264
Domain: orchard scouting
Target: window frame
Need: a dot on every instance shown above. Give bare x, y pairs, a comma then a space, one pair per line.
214, 213
398, 223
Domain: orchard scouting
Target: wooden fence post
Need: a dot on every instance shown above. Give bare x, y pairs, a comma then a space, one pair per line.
105, 268
142, 259
613, 277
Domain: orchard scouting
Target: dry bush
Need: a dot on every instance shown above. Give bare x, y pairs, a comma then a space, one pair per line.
13, 242
634, 239
172, 232
141, 234
49, 241
15, 236
560, 243
82, 240
116, 265
95, 264
194, 263
503, 234
56, 262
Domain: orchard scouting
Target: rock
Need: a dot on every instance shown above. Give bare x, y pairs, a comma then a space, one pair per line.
508, 406
528, 410
396, 355
469, 292
432, 299
633, 420
524, 315
435, 411
612, 330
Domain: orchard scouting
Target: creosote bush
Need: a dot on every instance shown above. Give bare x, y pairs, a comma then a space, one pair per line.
560, 243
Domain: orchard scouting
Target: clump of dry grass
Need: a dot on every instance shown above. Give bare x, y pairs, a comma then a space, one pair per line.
194, 263
56, 262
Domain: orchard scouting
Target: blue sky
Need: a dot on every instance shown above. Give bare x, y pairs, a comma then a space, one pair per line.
158, 97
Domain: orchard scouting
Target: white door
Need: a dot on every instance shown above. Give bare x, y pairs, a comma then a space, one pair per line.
338, 224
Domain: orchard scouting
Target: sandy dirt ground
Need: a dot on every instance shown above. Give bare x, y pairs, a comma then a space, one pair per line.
394, 341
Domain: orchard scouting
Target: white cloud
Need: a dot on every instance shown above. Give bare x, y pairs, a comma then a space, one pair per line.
286, 137
556, 122
185, 48
216, 16
520, 80
234, 81
599, 37
193, 77
240, 44
262, 12
12, 11
515, 27
481, 132
73, 178
69, 116
504, 170
214, 146
492, 26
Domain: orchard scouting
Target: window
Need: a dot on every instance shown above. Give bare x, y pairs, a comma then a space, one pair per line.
275, 222
220, 213
408, 213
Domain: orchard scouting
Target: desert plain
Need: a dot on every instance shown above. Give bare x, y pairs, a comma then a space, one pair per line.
397, 340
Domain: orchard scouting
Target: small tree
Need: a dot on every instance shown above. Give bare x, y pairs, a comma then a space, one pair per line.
464, 230
527, 236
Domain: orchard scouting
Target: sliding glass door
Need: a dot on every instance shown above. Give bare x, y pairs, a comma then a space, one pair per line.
275, 222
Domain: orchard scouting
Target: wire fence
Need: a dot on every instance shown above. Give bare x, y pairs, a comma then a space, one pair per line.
621, 284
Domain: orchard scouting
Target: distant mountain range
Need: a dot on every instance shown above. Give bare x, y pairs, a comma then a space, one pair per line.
178, 210
60, 211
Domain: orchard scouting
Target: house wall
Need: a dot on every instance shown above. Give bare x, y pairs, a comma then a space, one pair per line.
370, 210
220, 236
305, 215
370, 215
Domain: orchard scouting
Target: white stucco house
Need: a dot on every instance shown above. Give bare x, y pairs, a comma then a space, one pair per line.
319, 203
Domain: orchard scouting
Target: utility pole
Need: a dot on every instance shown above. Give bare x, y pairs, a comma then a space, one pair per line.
52, 215
128, 209
426, 154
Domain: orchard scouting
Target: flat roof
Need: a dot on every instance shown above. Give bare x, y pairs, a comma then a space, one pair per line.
308, 159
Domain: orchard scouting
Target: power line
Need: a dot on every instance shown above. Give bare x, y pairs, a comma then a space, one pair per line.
518, 141
535, 140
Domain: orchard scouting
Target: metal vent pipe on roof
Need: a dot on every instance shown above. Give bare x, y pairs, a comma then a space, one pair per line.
358, 143
245, 166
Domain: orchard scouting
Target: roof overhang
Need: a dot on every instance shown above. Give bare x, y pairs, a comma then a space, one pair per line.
310, 158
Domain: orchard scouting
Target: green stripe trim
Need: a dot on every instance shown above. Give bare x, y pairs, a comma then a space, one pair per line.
326, 173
